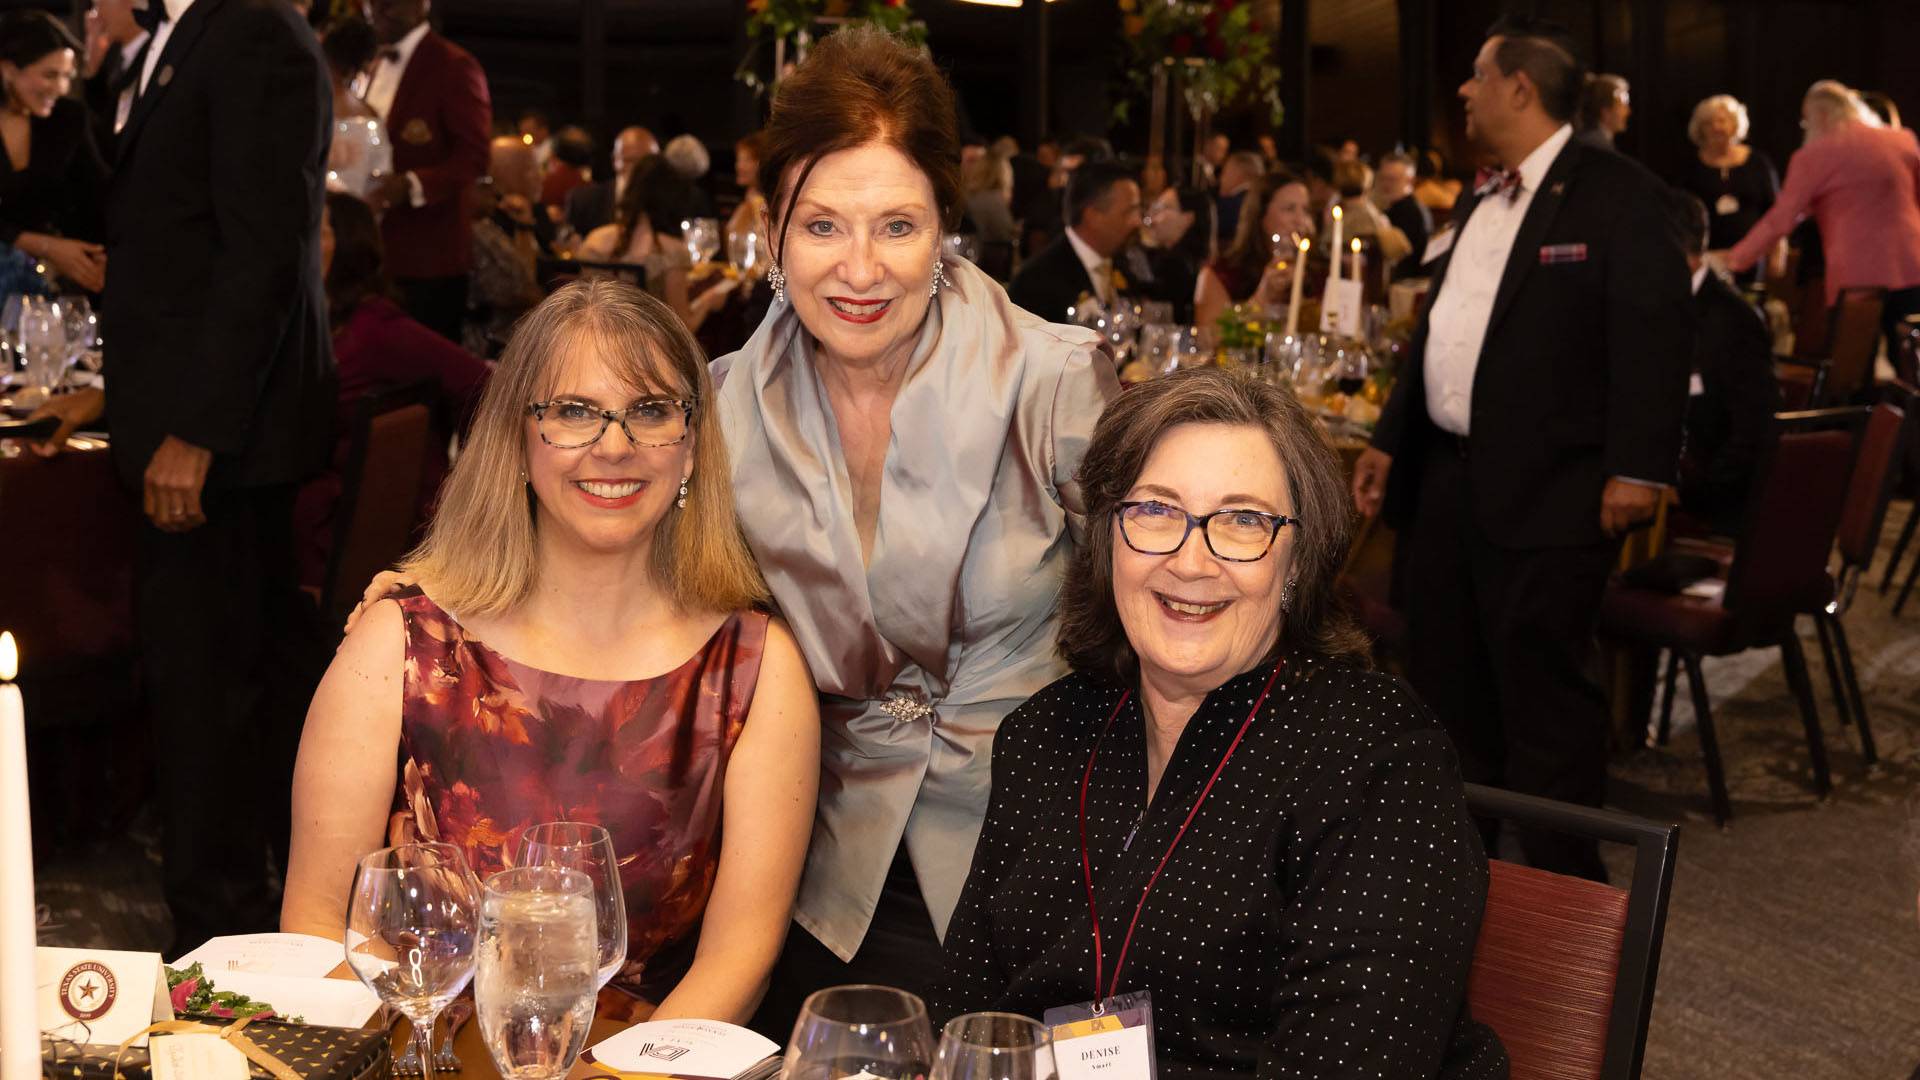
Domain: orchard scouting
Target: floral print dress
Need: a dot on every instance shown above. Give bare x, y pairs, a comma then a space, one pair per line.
491, 746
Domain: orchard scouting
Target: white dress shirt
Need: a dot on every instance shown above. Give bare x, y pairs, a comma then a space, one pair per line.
123, 106
175, 9
1099, 268
385, 83
1457, 322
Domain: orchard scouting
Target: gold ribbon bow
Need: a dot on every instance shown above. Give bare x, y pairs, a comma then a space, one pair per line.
231, 1033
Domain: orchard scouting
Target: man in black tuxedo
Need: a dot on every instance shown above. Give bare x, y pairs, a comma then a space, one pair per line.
591, 205
1537, 422
1733, 394
1103, 205
220, 388
116, 45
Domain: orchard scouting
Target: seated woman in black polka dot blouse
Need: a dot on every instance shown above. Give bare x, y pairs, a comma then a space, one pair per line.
1275, 838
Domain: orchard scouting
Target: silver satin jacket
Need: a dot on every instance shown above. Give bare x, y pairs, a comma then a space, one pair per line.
921, 652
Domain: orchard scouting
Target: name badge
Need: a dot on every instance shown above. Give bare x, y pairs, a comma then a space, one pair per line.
1104, 1040
1439, 244
1695, 386
1726, 204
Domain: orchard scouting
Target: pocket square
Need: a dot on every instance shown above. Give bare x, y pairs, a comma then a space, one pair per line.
1562, 253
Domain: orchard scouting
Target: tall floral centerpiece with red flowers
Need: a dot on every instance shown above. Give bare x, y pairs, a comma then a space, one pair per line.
789, 27
1220, 47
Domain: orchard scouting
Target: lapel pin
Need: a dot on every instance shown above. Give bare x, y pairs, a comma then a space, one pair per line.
1560, 187
166, 75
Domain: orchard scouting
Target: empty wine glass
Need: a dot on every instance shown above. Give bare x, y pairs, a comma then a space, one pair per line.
866, 1031
534, 986
10, 328
411, 925
702, 236
43, 340
574, 845
1157, 346
743, 249
994, 1046
83, 332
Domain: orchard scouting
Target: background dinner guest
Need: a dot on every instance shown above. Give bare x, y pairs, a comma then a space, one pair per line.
566, 169
506, 244
113, 61
582, 644
220, 386
1605, 105
433, 97
1535, 421
1861, 182
1323, 882
535, 130
52, 179
1176, 240
1736, 182
591, 205
906, 442
750, 215
1237, 177
1103, 213
1249, 268
1392, 194
1732, 397
647, 234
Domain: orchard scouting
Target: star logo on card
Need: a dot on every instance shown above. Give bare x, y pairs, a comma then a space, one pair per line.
88, 990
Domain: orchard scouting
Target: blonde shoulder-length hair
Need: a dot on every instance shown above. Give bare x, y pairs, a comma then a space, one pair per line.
479, 553
1703, 112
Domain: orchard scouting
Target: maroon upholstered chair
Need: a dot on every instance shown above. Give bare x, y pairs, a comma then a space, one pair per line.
1907, 483
1836, 364
1889, 429
1779, 570
380, 494
1564, 968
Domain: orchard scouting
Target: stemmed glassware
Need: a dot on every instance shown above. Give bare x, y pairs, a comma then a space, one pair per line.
702, 236
83, 332
535, 987
411, 924
867, 1031
10, 331
743, 249
43, 340
588, 849
994, 1046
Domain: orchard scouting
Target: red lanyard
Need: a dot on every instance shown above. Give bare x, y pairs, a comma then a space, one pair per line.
1086, 858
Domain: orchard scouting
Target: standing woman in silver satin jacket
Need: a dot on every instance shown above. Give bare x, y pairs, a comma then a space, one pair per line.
904, 443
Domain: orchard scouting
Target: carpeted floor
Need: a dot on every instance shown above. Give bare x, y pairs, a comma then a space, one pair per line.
1792, 946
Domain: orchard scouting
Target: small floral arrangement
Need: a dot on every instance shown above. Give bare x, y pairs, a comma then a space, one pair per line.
1223, 46
769, 21
193, 995
1242, 327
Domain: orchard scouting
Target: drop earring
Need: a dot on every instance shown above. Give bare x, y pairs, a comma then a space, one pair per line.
939, 277
1286, 596
778, 279
682, 503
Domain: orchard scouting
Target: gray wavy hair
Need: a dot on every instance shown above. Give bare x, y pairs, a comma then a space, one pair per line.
1703, 112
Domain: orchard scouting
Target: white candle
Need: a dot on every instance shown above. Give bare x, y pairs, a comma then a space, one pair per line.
1358, 261
1299, 275
19, 1017
1338, 214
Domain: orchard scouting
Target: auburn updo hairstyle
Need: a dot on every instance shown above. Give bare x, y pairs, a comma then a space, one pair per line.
860, 85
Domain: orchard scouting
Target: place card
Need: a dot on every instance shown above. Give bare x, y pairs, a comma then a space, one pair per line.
322, 1001
99, 996
685, 1048
1341, 308
269, 954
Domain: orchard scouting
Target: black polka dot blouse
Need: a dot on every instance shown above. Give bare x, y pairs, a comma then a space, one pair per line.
1317, 919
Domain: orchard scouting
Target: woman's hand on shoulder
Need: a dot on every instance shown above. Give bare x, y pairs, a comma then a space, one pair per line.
384, 584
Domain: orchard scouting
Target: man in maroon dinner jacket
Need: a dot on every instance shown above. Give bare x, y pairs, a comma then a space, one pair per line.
433, 97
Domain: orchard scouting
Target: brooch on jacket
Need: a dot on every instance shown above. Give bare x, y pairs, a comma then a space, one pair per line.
905, 708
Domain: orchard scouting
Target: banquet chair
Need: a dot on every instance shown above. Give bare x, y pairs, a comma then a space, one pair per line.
1838, 368
380, 490
1778, 569
1564, 968
1889, 428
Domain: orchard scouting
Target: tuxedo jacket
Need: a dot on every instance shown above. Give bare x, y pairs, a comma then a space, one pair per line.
1050, 282
1583, 372
440, 123
1727, 419
214, 316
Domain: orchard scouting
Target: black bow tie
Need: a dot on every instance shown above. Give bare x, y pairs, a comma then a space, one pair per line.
151, 16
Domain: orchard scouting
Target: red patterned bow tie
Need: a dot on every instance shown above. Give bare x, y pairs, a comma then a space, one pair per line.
1504, 181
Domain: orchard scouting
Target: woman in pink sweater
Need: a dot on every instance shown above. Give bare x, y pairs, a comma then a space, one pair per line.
1861, 181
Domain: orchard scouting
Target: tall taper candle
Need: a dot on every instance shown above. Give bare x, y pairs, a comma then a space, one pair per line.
1299, 275
19, 1012
1358, 263
1334, 251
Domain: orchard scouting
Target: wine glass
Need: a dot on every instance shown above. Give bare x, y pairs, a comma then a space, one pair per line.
43, 339
743, 249
534, 987
702, 237
10, 327
994, 1046
83, 332
411, 924
867, 1031
574, 845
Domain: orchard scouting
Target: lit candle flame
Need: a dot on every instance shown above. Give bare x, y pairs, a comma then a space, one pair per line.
9, 657
1355, 245
1338, 213
1304, 245
527, 139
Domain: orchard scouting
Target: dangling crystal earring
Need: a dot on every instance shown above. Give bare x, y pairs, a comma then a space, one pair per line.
778, 279
682, 503
939, 277
1286, 596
